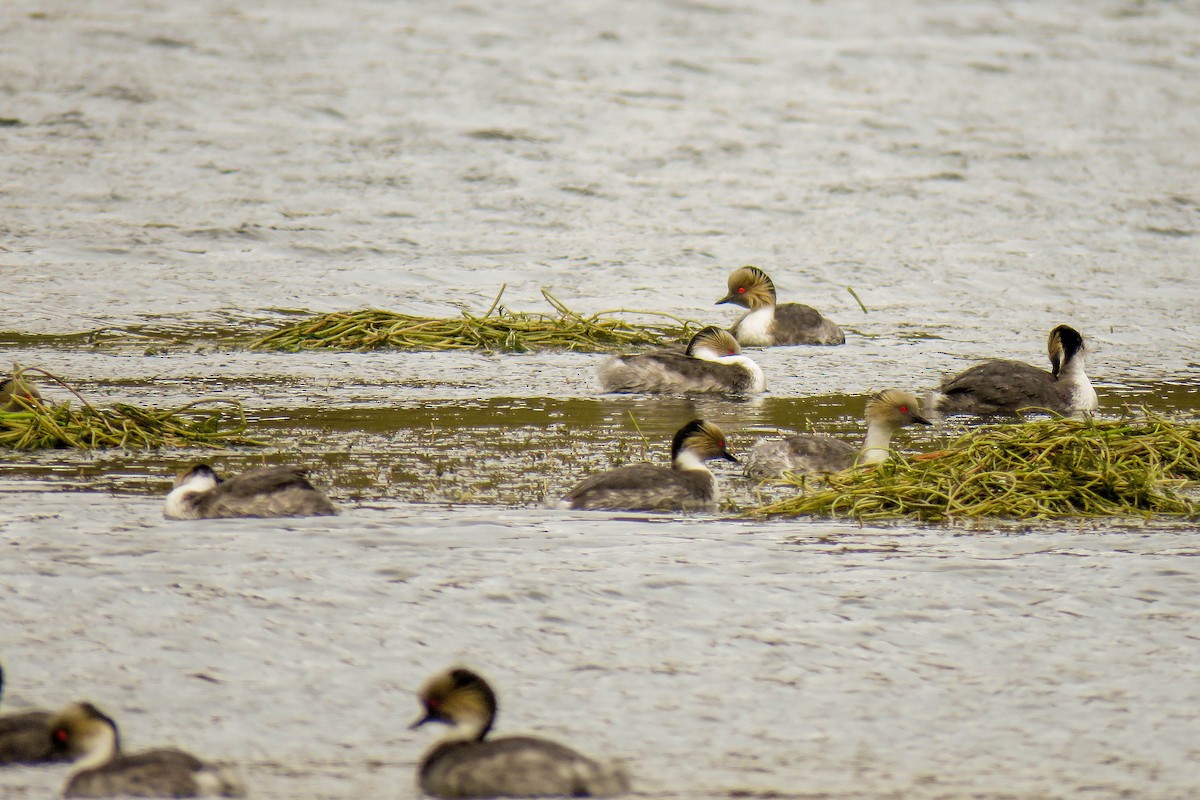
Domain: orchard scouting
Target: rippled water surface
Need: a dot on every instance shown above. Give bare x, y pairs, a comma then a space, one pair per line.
180, 177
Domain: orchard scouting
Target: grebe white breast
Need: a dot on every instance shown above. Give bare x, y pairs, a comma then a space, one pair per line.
686, 485
769, 323
25, 736
1004, 387
466, 764
88, 735
200, 493
886, 413
713, 362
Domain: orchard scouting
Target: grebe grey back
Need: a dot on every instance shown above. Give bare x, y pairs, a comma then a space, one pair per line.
769, 323
25, 736
86, 734
17, 393
1004, 387
687, 485
199, 493
465, 764
713, 362
886, 413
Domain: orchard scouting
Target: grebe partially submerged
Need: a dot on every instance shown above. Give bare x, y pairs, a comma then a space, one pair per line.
1004, 387
269, 492
769, 323
712, 363
86, 734
25, 736
18, 393
886, 413
466, 764
686, 485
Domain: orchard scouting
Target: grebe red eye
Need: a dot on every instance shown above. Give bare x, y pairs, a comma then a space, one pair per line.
903, 409
61, 735
741, 290
731, 353
721, 443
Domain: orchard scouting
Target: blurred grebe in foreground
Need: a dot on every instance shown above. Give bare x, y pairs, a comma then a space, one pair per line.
1003, 387
772, 324
686, 485
86, 734
18, 393
712, 363
464, 764
269, 492
25, 736
887, 412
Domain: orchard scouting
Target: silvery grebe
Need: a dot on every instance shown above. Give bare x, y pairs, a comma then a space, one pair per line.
465, 764
18, 393
25, 736
771, 324
712, 363
268, 492
887, 412
686, 485
88, 735
1004, 387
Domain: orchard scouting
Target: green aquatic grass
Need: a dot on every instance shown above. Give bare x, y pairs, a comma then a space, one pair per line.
1049, 469
497, 330
204, 423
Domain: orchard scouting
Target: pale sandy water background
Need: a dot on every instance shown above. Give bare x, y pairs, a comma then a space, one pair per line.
977, 172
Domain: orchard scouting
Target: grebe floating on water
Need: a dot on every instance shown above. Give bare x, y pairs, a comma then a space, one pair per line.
771, 324
887, 412
25, 736
712, 363
1004, 387
269, 492
85, 733
686, 485
465, 764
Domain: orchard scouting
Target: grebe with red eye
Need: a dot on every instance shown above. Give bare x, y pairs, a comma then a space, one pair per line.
887, 412
687, 485
1004, 387
25, 736
466, 764
769, 323
86, 734
712, 363
18, 393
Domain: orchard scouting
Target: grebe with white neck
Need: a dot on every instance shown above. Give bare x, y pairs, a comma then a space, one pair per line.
712, 363
467, 764
199, 493
88, 735
769, 323
886, 413
687, 485
1005, 387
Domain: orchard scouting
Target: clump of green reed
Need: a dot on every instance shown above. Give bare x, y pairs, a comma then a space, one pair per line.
205, 423
497, 330
1047, 469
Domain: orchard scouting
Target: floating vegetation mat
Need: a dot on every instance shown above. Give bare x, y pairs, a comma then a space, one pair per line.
497, 330
205, 423
1048, 469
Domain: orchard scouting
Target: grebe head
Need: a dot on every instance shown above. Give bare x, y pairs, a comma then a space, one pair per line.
713, 342
1064, 344
701, 440
200, 478
750, 287
17, 393
85, 733
895, 408
460, 698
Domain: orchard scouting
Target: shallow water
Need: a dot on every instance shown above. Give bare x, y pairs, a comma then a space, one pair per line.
179, 176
